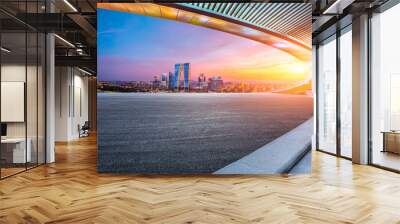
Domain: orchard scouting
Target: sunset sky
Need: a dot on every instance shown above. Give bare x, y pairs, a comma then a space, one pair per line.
136, 47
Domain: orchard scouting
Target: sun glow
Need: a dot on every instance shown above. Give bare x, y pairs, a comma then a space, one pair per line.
149, 47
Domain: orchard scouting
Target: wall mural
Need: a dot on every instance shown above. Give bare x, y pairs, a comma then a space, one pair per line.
201, 88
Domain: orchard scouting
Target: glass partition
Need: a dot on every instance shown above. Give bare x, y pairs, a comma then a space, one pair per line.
385, 89
346, 93
22, 88
31, 100
41, 97
14, 153
327, 97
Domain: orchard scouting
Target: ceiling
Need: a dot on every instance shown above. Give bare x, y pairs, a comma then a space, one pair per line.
280, 21
76, 24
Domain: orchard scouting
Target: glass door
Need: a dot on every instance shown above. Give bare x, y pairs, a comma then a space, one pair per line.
346, 92
22, 88
14, 153
385, 90
327, 95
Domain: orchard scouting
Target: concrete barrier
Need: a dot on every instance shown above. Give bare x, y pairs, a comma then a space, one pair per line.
276, 157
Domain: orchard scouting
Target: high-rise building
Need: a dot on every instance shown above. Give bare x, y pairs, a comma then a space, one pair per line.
202, 82
177, 76
186, 70
164, 80
156, 82
202, 78
179, 69
170, 80
215, 83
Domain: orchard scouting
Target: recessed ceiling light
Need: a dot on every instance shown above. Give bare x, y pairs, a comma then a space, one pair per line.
5, 50
70, 5
84, 71
337, 7
64, 40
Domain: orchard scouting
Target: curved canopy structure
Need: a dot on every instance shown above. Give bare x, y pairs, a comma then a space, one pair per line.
262, 22
290, 20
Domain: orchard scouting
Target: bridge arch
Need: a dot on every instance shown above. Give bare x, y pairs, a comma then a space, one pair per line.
208, 19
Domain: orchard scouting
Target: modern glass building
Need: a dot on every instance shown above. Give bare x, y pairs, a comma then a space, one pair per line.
179, 69
171, 81
186, 74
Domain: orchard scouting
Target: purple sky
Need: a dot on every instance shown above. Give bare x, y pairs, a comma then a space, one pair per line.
137, 47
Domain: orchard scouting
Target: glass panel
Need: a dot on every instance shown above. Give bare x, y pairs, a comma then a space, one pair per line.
13, 88
32, 87
346, 93
327, 97
41, 98
386, 89
23, 90
31, 100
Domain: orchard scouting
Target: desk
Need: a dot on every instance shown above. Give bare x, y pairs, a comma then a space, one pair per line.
391, 141
19, 154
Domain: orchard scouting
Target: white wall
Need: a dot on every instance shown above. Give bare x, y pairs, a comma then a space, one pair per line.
17, 73
80, 110
33, 127
71, 102
9, 73
13, 101
62, 83
13, 72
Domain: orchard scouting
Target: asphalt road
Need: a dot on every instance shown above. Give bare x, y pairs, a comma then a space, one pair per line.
181, 133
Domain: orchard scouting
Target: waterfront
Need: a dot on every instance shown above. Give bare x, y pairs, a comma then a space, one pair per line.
190, 132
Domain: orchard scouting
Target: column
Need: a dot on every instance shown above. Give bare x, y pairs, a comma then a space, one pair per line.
50, 98
360, 90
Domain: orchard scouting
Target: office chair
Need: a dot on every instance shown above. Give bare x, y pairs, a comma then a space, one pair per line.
84, 130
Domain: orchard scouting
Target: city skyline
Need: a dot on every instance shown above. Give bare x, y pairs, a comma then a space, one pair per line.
194, 78
138, 47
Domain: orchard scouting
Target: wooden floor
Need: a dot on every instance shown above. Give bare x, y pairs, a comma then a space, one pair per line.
387, 159
71, 191
5, 172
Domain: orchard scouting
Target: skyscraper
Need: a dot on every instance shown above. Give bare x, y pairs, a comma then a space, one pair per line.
202, 78
164, 78
202, 82
215, 83
177, 76
186, 69
156, 82
179, 68
170, 80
